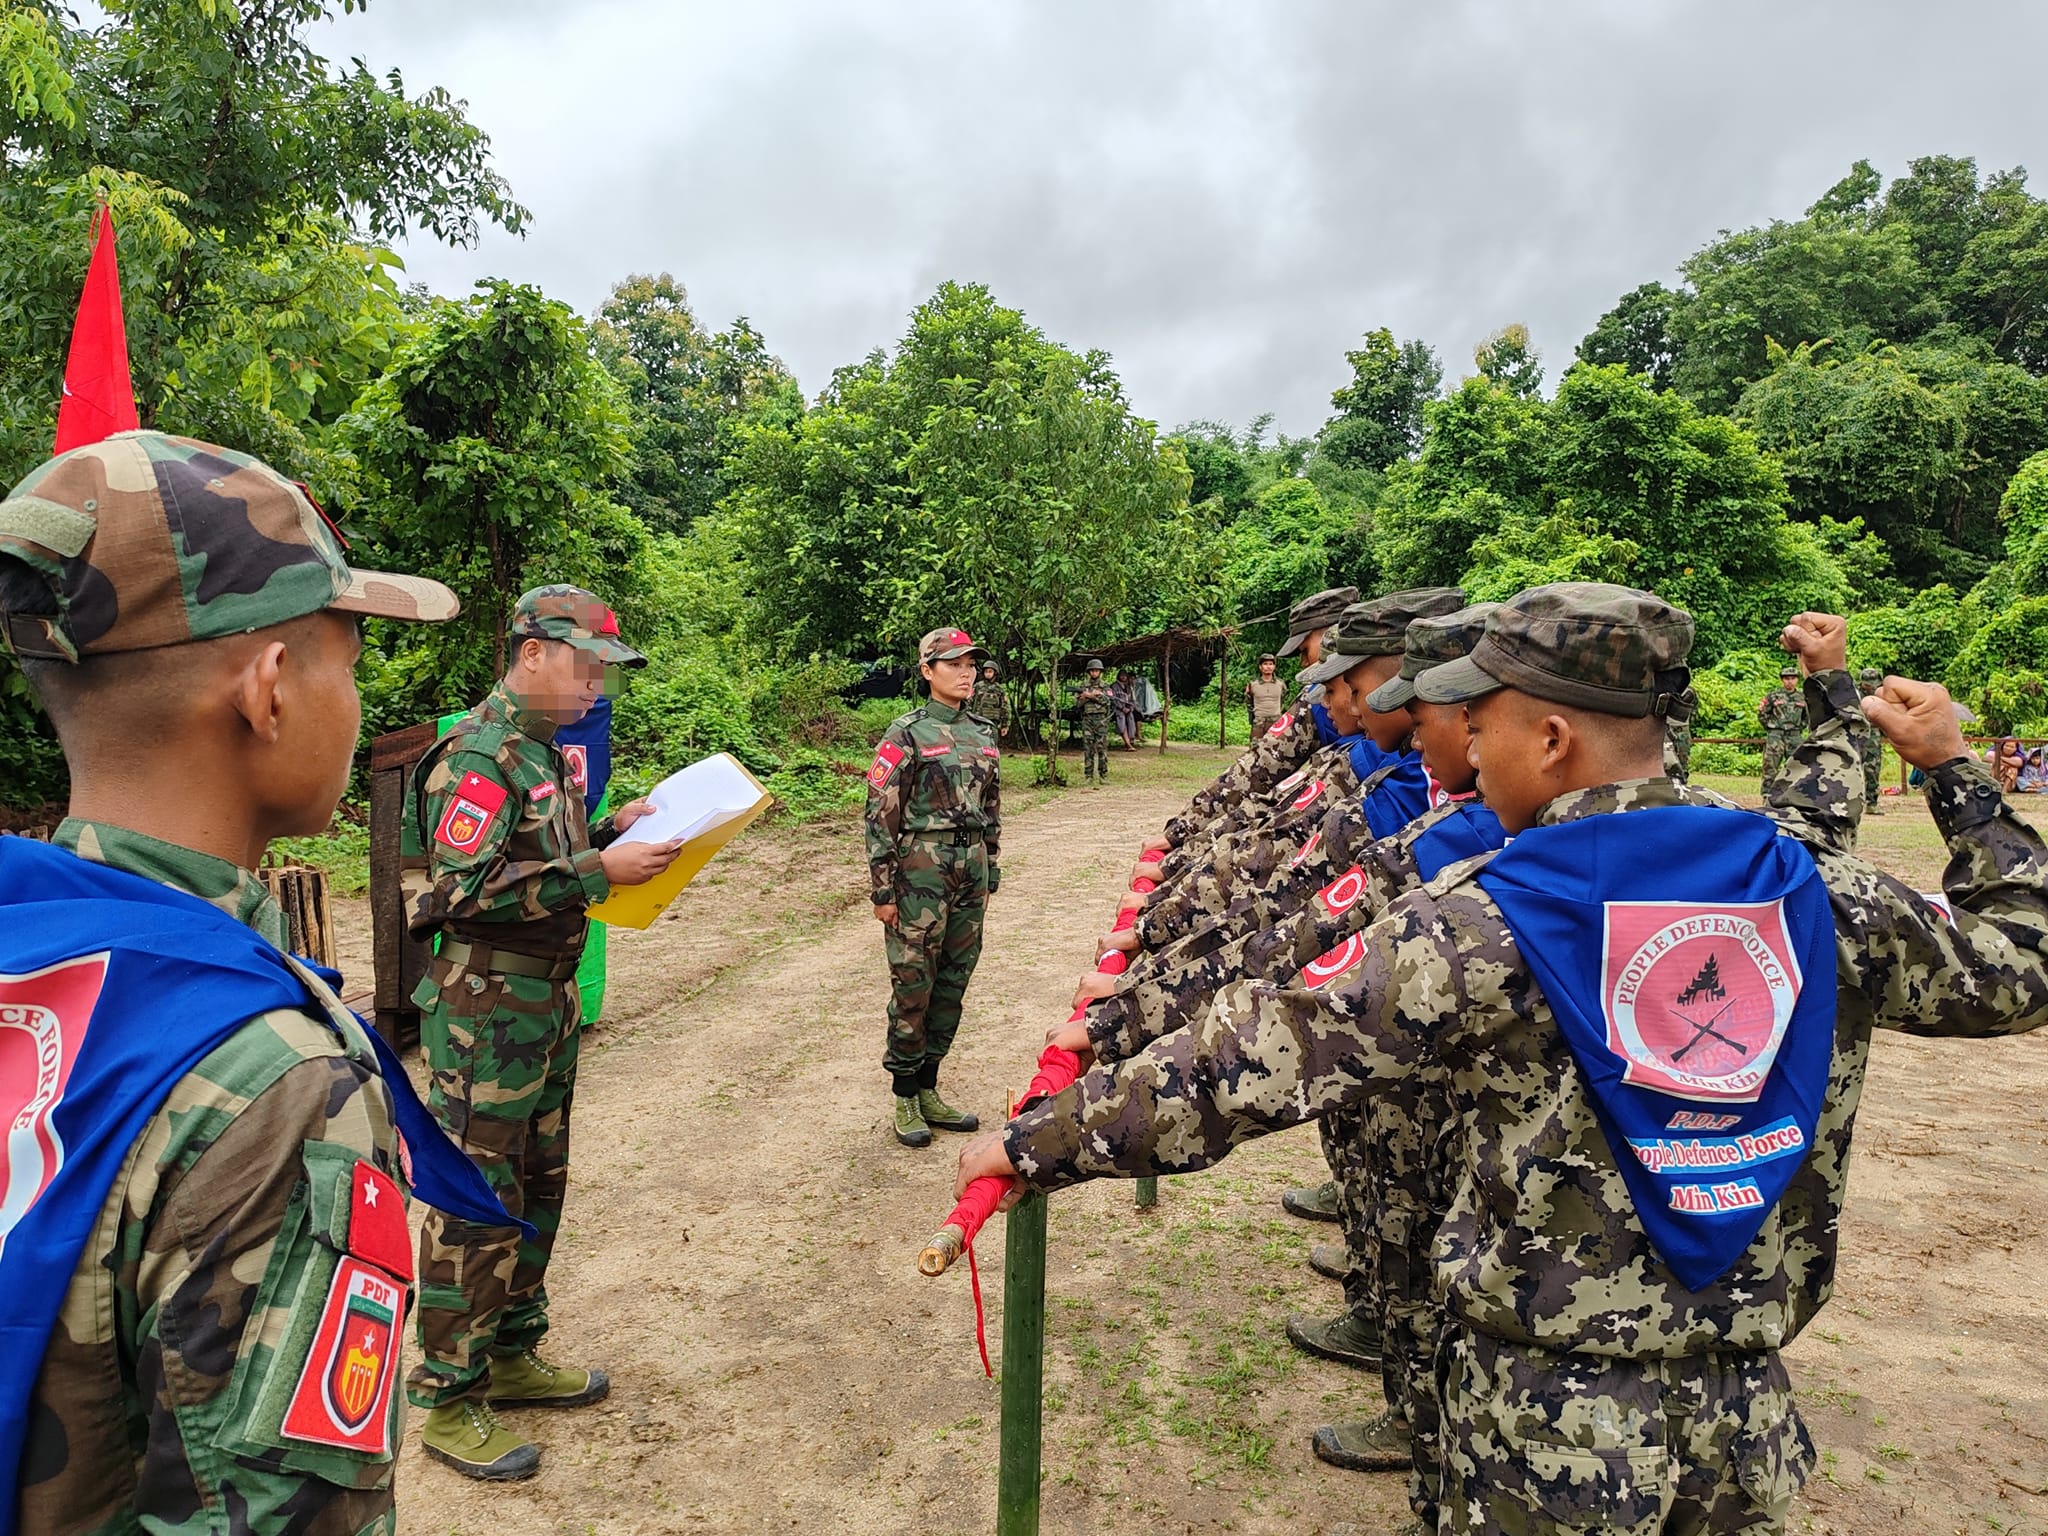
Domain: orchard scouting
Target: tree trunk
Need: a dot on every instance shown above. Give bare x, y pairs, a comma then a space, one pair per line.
1165, 694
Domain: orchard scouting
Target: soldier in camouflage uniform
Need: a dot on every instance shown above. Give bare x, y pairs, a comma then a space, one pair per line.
1783, 721
498, 859
1584, 1384
1094, 706
1288, 742
163, 591
934, 829
992, 700
1870, 745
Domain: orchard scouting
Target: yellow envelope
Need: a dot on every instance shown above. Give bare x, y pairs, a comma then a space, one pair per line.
708, 804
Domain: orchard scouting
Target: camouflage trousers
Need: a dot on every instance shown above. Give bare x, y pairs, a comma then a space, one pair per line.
501, 1057
1777, 747
1536, 1442
1412, 1131
1095, 746
1347, 1147
941, 899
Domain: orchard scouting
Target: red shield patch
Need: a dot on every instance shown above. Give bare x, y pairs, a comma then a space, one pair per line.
343, 1398
578, 759
1697, 998
1438, 795
1281, 726
43, 1019
1343, 893
1307, 850
1308, 796
1338, 963
1287, 785
470, 809
888, 758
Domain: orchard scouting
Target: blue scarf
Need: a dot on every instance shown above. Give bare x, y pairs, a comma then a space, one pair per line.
1688, 953
593, 733
1400, 797
1326, 728
127, 985
1466, 833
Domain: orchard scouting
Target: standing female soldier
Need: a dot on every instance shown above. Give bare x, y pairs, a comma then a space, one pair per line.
934, 821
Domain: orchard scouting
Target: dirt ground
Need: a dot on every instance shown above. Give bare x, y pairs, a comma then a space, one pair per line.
741, 1242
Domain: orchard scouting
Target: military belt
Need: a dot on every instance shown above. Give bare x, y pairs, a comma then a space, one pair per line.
959, 837
481, 957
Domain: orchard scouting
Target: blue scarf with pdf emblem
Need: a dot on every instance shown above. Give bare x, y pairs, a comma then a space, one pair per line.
1466, 833
1400, 797
112, 988
1688, 953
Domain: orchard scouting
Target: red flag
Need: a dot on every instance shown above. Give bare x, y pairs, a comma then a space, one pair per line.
99, 395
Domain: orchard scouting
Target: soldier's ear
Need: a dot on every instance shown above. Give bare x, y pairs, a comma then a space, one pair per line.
256, 692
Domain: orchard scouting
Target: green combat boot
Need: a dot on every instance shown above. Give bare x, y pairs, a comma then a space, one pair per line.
910, 1127
941, 1116
468, 1436
1331, 1260
1350, 1338
525, 1380
1378, 1445
1318, 1204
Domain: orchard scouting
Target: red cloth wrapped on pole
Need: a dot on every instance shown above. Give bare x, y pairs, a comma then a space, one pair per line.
1057, 1069
99, 394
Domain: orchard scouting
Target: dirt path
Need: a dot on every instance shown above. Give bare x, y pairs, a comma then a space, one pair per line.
741, 1242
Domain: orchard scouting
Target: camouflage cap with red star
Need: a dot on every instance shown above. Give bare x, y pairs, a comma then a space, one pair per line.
945, 645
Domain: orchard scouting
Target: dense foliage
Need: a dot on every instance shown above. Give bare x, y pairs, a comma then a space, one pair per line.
1845, 410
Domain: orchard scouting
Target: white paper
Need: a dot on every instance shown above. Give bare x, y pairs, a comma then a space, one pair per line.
692, 802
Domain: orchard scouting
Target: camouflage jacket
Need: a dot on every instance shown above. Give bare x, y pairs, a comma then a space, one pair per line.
496, 845
1288, 743
992, 702
937, 769
1542, 1245
1781, 714
1203, 879
192, 1313
1093, 701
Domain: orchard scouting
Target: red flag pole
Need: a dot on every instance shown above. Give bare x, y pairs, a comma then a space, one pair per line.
99, 393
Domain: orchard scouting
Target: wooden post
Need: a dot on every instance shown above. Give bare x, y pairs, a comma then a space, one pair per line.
1223, 694
1020, 1436
1165, 691
308, 921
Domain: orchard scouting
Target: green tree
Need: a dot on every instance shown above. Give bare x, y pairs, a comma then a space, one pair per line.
1379, 412
1637, 335
689, 391
1509, 359
483, 453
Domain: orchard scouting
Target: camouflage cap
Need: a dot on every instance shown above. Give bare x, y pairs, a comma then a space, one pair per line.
1317, 611
146, 540
945, 645
1584, 643
1430, 643
575, 617
1379, 627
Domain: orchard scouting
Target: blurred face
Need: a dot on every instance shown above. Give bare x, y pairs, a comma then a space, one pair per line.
1443, 736
1340, 704
1791, 684
952, 682
1516, 751
1312, 646
302, 774
555, 679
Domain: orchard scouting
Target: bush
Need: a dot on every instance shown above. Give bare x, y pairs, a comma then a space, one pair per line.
810, 784
1713, 757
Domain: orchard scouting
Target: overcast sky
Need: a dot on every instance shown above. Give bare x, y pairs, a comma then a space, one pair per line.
1223, 196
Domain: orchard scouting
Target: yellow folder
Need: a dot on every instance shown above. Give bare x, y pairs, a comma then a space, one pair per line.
707, 804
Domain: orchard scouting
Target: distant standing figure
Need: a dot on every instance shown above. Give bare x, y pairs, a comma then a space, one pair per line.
1264, 695
1094, 702
1783, 717
1123, 703
992, 700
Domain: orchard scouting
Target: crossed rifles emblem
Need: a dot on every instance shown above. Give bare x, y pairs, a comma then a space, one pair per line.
1707, 984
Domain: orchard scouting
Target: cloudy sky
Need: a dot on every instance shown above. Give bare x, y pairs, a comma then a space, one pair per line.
1224, 196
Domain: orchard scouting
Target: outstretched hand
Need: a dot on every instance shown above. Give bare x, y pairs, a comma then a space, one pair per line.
1093, 986
1819, 640
1919, 720
1124, 939
986, 1157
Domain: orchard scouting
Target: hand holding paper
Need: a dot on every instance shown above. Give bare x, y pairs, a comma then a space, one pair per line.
698, 811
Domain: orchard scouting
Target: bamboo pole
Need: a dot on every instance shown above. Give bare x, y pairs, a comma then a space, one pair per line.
1017, 1474
1148, 1194
1222, 700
